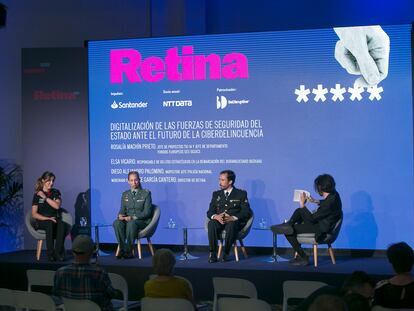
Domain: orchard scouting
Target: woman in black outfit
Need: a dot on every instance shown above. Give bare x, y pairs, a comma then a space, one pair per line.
46, 213
397, 292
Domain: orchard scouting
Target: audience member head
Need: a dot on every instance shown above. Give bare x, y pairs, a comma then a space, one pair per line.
401, 257
359, 282
357, 302
328, 303
46, 177
324, 183
82, 248
163, 262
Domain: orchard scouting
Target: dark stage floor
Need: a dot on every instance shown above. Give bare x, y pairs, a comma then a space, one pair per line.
268, 277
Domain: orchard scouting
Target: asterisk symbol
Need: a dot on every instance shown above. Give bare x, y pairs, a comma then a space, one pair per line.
337, 92
355, 92
374, 92
302, 94
320, 93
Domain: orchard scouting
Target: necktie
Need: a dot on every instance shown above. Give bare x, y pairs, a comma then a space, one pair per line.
226, 194
134, 193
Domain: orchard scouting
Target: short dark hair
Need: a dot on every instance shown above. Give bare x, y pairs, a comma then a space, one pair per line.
133, 173
231, 176
324, 183
355, 281
401, 256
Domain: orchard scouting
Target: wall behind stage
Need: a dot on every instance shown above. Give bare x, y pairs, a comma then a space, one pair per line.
54, 109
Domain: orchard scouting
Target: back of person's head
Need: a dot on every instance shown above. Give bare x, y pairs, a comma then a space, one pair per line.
324, 183
328, 303
401, 257
359, 282
163, 262
83, 247
357, 302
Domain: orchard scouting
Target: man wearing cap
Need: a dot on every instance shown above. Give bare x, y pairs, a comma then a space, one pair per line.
81, 280
135, 214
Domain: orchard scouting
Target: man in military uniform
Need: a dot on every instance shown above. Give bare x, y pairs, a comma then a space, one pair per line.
135, 214
229, 210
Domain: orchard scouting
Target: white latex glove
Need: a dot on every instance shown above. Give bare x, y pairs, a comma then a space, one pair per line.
363, 51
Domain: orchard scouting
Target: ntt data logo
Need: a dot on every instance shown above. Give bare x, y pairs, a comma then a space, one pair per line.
129, 105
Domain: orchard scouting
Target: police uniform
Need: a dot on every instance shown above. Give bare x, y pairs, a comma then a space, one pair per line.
235, 204
139, 207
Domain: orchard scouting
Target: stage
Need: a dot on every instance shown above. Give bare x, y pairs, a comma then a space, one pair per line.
268, 277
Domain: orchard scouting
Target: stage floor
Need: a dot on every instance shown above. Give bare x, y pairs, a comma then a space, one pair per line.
268, 277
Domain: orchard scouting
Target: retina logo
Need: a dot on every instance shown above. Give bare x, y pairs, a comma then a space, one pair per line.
176, 67
128, 105
221, 102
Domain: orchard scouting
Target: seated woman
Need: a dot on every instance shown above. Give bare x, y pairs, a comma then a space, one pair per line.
397, 292
320, 222
45, 211
165, 284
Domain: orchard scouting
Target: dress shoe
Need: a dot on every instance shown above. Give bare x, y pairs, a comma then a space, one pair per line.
212, 258
300, 261
225, 258
285, 228
120, 255
128, 255
51, 258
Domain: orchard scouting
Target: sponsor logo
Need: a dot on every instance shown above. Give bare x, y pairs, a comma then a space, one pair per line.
130, 64
129, 105
222, 102
55, 95
177, 103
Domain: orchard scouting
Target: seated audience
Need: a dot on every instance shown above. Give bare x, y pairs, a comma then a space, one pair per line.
81, 280
328, 303
165, 284
397, 292
357, 290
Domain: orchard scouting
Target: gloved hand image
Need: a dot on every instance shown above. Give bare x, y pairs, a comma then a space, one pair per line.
363, 51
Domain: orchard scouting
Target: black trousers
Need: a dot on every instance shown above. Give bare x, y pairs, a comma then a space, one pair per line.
55, 235
300, 225
214, 234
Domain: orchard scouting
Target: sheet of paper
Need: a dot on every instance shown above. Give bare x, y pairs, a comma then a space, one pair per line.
297, 193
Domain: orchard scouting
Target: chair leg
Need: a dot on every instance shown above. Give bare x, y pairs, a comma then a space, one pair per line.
236, 252
243, 248
39, 249
139, 249
220, 248
118, 249
331, 253
315, 254
150, 246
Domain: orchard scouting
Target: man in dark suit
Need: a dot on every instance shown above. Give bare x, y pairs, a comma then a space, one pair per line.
135, 214
229, 210
320, 222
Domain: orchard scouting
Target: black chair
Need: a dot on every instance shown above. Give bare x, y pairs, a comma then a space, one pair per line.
329, 239
242, 234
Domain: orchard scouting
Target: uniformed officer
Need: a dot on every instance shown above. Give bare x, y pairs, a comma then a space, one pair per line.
135, 214
229, 210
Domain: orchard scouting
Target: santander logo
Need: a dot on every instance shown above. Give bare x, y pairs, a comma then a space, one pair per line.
129, 64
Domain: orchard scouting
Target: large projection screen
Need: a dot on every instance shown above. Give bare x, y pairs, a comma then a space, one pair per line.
278, 108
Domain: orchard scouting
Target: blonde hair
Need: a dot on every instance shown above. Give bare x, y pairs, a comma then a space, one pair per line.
163, 262
46, 176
